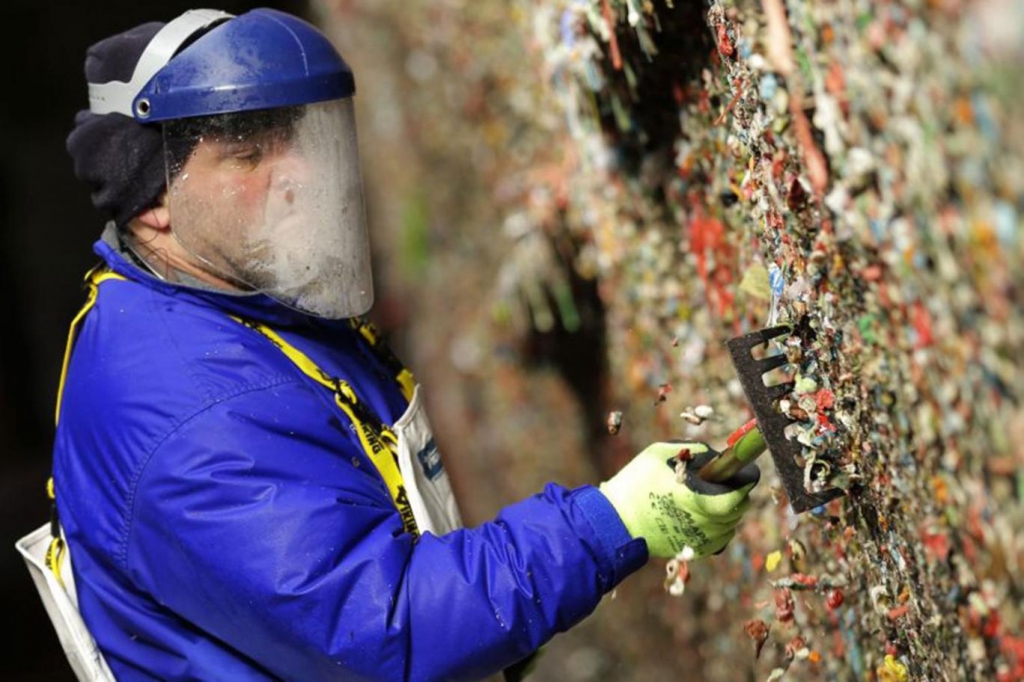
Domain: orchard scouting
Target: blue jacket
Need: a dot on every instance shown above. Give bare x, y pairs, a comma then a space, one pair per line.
225, 523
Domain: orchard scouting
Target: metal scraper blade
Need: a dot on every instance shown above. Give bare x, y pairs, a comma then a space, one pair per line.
770, 420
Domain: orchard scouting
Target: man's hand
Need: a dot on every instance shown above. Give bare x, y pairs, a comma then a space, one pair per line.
671, 513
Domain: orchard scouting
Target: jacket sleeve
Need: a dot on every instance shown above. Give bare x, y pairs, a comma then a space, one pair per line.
260, 521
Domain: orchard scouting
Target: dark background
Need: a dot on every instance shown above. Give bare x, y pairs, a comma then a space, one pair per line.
47, 227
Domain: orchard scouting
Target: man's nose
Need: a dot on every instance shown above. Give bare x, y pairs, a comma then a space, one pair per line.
290, 174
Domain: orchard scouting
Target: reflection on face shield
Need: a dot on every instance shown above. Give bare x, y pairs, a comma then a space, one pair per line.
273, 200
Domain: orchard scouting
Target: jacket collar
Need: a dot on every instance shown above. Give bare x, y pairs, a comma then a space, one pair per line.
252, 306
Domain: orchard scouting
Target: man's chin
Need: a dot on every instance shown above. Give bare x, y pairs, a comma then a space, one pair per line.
331, 298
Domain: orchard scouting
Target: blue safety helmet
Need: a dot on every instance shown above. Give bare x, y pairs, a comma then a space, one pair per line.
260, 60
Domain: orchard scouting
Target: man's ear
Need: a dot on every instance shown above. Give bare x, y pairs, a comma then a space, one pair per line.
157, 216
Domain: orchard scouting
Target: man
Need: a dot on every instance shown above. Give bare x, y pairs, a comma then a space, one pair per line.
244, 476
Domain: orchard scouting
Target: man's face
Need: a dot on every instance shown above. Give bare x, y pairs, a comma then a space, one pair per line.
277, 207
233, 192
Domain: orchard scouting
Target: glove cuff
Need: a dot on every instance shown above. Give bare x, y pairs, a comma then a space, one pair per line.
625, 551
621, 504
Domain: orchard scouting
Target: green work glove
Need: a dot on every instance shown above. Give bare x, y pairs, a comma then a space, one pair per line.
673, 511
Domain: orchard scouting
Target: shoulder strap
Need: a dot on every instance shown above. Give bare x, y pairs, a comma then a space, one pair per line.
368, 330
93, 278
56, 551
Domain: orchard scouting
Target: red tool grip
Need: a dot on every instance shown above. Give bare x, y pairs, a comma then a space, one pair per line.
740, 432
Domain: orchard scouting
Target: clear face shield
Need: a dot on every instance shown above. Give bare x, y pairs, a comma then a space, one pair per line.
272, 200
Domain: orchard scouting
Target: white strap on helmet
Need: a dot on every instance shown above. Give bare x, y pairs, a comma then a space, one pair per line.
116, 97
